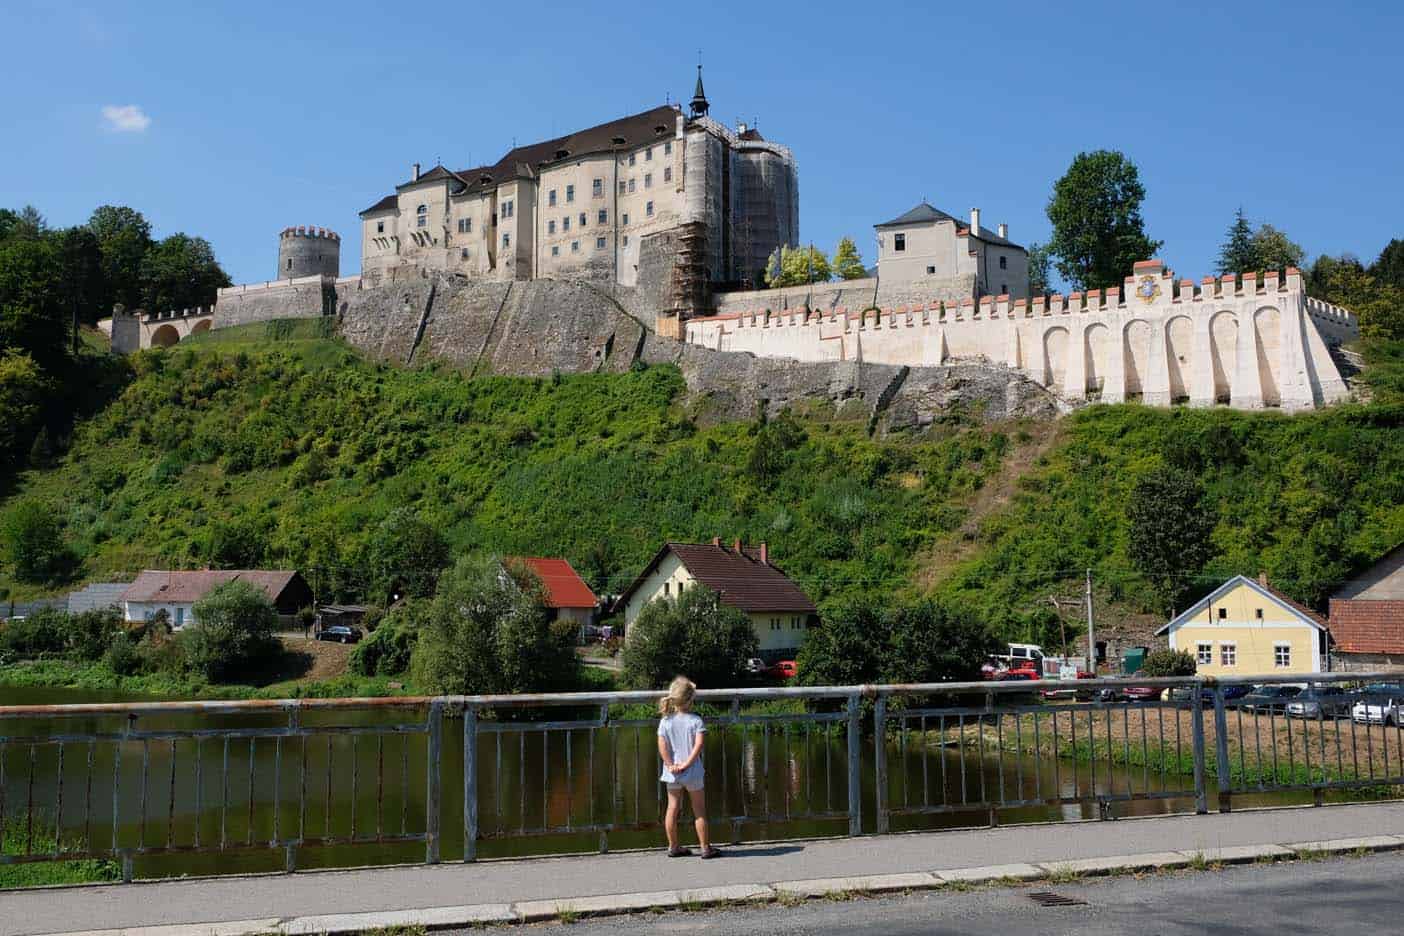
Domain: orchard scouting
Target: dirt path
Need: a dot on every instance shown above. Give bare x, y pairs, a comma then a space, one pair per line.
329, 660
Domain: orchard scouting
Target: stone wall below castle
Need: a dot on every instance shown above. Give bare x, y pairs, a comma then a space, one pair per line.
305, 297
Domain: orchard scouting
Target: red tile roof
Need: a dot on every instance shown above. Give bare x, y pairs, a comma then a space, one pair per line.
564, 587
1360, 626
741, 578
179, 587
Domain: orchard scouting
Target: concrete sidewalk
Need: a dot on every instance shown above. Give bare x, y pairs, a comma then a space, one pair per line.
533, 888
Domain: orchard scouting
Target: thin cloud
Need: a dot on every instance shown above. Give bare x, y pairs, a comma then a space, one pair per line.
126, 118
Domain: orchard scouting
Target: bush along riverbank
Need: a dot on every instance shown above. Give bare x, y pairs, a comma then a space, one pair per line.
36, 838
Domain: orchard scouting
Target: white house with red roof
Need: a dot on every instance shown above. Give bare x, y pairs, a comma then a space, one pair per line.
566, 592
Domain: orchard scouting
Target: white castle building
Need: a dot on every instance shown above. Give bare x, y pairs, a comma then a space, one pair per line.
1249, 342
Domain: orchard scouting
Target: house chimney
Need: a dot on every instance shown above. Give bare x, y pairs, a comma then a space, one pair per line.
716, 541
737, 547
414, 172
1004, 231
1262, 579
974, 222
765, 555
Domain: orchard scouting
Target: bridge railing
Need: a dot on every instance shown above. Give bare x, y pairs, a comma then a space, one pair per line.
220, 786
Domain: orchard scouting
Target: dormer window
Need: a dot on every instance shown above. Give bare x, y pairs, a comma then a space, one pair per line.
562, 153
421, 215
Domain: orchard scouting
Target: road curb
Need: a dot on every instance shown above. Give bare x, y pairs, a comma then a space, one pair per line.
537, 911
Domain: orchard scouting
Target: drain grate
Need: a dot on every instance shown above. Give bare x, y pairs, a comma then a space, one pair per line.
1050, 899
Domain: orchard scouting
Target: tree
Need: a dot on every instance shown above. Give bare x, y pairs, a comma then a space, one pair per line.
848, 264
1273, 250
1170, 525
1388, 268
1379, 306
1238, 252
181, 272
33, 542
1040, 278
237, 544
123, 237
800, 266
848, 647
32, 316
233, 628
85, 286
692, 634
406, 556
1095, 209
923, 641
22, 391
1165, 662
489, 631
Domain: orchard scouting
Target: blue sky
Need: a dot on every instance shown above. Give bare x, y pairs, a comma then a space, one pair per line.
234, 120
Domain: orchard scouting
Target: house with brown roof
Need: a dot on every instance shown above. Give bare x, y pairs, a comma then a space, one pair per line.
744, 577
1367, 617
567, 595
176, 592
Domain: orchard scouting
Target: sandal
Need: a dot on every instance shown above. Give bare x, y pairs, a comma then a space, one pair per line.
712, 853
679, 852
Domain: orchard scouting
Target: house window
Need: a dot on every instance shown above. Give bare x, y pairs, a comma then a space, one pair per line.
1282, 655
1204, 654
421, 216
648, 210
570, 193
648, 180
380, 227
506, 240
180, 618
551, 198
1258, 613
631, 184
624, 218
623, 186
602, 217
1228, 654
1004, 263
550, 227
1223, 614
668, 148
899, 242
575, 246
666, 586
555, 250
774, 624
597, 188
507, 209
930, 270
667, 173
631, 159
599, 243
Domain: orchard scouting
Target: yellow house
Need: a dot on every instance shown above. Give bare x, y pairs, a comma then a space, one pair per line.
1248, 628
743, 577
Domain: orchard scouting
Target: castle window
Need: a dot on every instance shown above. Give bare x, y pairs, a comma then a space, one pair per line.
575, 246
380, 227
631, 159
648, 180
597, 188
899, 242
1004, 289
667, 173
465, 225
599, 243
507, 209
623, 186
550, 227
624, 218
289, 263
583, 219
668, 148
494, 219
648, 209
565, 223
464, 253
422, 216
551, 198
1004, 263
626, 240
555, 250
603, 216
570, 193
648, 154
506, 239
930, 270
631, 184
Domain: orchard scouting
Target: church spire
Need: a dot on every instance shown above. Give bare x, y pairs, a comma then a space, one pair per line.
699, 97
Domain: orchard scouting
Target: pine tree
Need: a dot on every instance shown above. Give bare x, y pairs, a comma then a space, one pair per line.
1238, 254
848, 264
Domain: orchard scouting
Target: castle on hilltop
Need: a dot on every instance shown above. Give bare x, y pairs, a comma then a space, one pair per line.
659, 193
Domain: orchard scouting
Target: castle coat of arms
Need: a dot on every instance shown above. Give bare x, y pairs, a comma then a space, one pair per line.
1148, 289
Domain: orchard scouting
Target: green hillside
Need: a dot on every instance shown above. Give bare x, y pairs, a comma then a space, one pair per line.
234, 450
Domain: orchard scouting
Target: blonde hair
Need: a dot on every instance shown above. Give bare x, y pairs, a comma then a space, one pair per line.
679, 697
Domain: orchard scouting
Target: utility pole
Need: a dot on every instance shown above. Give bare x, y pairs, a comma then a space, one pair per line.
1091, 635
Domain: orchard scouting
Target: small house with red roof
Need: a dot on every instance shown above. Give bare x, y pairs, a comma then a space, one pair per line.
1367, 617
176, 592
566, 592
745, 578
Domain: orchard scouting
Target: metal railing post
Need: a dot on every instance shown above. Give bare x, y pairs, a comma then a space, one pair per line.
470, 783
1221, 755
433, 787
880, 763
1201, 793
855, 769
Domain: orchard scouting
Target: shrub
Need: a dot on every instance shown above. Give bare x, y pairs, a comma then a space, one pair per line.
693, 634
43, 633
234, 626
388, 649
90, 634
122, 657
408, 554
1168, 663
490, 632
33, 543
928, 641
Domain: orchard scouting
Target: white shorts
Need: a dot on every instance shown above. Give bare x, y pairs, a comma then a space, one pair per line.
692, 786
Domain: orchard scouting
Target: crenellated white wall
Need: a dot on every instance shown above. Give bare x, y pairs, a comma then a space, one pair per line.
1249, 342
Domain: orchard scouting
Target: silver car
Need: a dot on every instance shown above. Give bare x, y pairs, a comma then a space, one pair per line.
1320, 702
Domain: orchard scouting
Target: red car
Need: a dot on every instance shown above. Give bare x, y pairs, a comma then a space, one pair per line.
783, 670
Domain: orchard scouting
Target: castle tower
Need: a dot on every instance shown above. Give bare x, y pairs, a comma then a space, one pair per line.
308, 251
699, 97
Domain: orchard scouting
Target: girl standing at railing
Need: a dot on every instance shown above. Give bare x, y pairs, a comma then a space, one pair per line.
680, 737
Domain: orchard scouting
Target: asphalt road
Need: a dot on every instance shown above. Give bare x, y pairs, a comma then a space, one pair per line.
1340, 895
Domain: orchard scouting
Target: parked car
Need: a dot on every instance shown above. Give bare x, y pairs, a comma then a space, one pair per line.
1267, 700
1129, 693
1378, 704
755, 666
784, 669
1232, 694
1320, 702
339, 633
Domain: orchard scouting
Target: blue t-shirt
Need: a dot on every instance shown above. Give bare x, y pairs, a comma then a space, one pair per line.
681, 731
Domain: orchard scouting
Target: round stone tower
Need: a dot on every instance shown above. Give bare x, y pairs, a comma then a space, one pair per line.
308, 251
